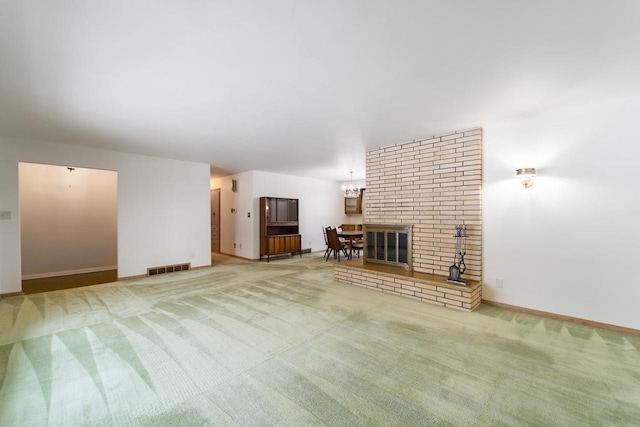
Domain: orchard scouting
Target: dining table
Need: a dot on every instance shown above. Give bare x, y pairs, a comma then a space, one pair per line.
351, 236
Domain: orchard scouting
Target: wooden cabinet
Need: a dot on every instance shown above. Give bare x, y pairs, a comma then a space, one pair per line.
279, 232
353, 205
287, 243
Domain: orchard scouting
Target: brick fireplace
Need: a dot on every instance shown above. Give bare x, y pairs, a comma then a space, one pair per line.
433, 185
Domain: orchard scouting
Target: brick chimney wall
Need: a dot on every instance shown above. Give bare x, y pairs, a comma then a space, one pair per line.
434, 184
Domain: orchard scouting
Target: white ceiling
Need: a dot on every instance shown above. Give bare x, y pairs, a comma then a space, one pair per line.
300, 87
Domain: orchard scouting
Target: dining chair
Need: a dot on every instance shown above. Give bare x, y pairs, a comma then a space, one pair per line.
329, 251
345, 227
357, 246
326, 242
334, 245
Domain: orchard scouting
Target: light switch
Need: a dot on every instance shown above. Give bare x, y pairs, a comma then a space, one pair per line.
5, 215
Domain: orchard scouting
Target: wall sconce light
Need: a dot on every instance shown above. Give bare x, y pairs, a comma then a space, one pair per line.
526, 175
234, 185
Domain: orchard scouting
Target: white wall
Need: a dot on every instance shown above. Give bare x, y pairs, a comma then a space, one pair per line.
163, 206
569, 244
68, 220
320, 204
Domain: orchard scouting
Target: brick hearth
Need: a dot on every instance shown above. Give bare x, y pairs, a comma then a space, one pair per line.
419, 286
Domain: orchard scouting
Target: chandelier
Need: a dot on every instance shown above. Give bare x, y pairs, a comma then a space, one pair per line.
351, 192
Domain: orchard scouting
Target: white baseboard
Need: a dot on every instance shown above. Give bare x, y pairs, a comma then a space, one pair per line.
68, 272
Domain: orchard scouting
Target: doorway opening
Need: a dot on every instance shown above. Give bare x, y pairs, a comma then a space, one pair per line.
215, 220
68, 226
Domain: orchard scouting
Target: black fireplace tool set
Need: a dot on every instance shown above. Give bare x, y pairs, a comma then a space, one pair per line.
459, 267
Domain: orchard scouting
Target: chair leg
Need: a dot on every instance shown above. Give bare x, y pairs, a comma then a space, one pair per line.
331, 252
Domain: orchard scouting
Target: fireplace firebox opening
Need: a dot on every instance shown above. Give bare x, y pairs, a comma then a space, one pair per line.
388, 244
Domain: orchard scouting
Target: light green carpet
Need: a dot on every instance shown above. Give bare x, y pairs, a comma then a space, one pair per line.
281, 343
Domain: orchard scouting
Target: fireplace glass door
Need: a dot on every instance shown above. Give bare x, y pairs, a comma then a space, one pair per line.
388, 244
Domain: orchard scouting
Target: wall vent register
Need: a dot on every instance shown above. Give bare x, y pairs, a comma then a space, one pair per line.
153, 271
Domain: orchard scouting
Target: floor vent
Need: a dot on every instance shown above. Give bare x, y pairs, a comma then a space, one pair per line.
152, 271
